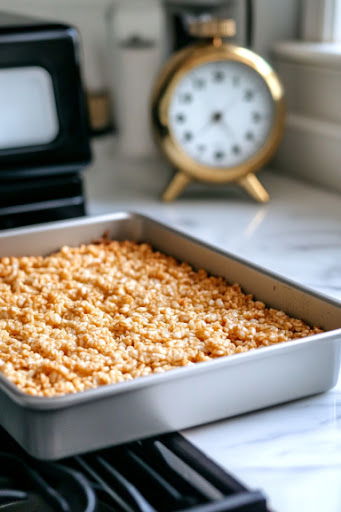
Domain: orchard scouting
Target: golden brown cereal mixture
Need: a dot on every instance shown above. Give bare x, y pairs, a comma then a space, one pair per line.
112, 311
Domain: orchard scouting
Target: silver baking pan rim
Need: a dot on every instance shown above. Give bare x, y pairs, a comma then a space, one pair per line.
68, 400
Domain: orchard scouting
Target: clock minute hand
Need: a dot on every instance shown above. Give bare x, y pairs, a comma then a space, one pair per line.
216, 118
208, 124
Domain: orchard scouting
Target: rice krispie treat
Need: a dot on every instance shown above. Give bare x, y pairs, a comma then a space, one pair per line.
112, 311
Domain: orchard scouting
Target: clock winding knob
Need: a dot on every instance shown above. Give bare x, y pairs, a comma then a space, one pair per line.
213, 28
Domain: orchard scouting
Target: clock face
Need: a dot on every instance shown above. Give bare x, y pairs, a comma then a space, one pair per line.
221, 113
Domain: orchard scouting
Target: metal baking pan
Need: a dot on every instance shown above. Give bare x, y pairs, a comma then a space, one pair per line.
51, 428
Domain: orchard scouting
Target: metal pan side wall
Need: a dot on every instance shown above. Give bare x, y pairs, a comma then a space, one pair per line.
60, 427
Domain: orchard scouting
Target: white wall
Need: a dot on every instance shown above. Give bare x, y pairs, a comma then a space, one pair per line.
274, 19
93, 19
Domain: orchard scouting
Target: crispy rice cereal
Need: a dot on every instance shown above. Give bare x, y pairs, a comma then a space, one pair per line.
112, 311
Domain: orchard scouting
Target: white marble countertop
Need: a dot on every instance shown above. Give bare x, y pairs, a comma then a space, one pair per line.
292, 452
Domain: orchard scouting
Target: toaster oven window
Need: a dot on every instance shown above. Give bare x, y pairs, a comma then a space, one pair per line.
28, 107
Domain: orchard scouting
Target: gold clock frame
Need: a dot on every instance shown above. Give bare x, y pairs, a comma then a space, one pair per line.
188, 169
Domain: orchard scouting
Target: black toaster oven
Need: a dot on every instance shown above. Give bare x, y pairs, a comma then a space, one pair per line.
44, 134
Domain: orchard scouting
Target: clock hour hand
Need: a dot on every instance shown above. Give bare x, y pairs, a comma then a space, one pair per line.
228, 129
217, 118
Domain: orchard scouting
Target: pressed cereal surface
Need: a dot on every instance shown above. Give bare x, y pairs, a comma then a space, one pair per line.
112, 311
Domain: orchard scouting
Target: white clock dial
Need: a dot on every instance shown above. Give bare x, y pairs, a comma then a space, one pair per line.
221, 113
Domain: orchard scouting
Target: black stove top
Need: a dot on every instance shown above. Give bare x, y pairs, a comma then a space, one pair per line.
161, 474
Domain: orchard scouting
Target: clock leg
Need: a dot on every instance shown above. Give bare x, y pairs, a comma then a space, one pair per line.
176, 186
254, 188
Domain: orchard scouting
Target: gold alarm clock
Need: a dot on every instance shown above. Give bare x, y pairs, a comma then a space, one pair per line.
217, 112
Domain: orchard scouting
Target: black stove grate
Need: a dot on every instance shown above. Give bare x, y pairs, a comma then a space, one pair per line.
161, 474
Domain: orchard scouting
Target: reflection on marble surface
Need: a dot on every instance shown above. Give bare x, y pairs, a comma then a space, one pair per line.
293, 451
